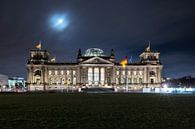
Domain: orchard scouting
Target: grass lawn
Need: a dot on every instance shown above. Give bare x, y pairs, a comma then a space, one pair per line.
97, 111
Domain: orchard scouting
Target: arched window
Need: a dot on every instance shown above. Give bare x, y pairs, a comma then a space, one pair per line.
37, 76
37, 73
152, 73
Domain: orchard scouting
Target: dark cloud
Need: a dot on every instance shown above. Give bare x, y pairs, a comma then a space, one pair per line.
124, 25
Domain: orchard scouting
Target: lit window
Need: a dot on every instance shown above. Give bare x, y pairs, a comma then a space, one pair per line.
123, 72
74, 72
67, 72
129, 72
117, 81
122, 80
117, 72
140, 72
62, 72
50, 72
134, 72
56, 72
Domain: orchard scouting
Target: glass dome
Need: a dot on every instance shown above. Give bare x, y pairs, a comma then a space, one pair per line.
94, 52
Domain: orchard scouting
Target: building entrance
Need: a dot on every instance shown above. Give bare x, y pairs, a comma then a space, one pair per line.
96, 76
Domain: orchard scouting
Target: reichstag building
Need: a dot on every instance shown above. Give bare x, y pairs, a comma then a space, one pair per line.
93, 69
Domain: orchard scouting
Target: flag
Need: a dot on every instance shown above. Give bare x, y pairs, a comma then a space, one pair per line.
38, 45
131, 60
124, 62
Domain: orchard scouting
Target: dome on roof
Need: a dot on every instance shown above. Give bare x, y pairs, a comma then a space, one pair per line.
94, 52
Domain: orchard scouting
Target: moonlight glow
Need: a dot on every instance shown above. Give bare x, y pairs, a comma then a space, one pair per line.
58, 22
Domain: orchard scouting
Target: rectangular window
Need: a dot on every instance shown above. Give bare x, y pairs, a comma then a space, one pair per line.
117, 72
62, 72
117, 81
56, 72
74, 72
123, 72
50, 72
68, 72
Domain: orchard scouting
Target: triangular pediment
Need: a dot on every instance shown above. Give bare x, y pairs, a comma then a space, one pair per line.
96, 60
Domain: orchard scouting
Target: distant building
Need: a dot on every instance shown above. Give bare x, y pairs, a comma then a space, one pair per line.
16, 82
3, 80
93, 69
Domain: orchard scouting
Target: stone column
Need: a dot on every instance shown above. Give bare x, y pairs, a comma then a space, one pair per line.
28, 75
99, 75
92, 75
46, 82
145, 75
78, 76
72, 76
42, 74
32, 78
105, 76
85, 79
113, 76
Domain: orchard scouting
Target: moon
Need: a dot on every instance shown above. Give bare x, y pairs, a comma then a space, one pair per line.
58, 22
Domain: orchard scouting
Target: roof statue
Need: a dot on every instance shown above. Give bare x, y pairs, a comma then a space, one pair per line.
148, 48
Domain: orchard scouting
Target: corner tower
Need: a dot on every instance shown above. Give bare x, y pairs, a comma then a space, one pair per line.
150, 57
152, 67
36, 69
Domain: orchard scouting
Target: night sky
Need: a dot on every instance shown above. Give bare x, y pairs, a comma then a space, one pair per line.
123, 25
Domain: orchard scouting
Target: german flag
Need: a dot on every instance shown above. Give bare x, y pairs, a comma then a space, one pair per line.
124, 62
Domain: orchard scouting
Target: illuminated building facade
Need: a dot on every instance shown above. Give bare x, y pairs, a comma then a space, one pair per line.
13, 82
93, 69
3, 80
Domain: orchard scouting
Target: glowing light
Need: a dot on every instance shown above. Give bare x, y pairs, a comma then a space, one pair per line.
165, 86
124, 62
58, 22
